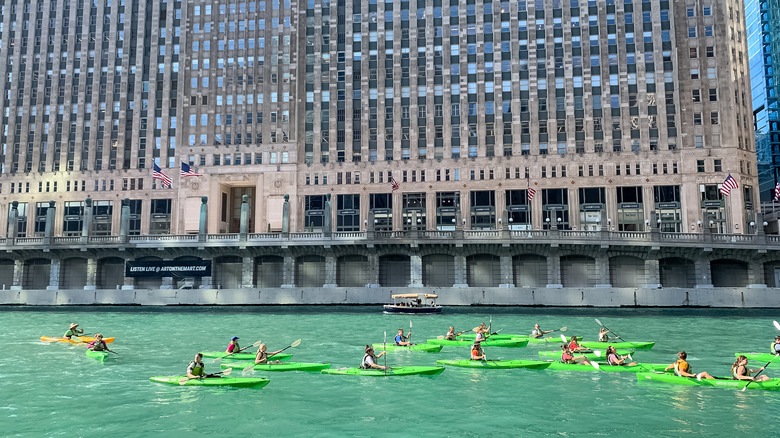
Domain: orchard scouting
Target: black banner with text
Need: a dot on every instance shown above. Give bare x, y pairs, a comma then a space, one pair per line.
168, 268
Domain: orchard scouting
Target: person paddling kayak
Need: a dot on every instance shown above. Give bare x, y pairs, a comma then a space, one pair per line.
401, 340
538, 332
476, 351
369, 359
740, 371
262, 355
568, 357
98, 344
233, 346
603, 335
73, 331
614, 359
575, 347
451, 335
196, 369
682, 368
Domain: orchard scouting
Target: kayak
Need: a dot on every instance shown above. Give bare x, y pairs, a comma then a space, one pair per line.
244, 356
395, 371
286, 366
497, 337
237, 382
602, 355
466, 343
494, 364
550, 340
638, 368
430, 348
75, 340
724, 382
99, 355
760, 357
624, 345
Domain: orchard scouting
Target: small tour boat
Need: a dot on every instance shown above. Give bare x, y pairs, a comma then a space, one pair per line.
413, 303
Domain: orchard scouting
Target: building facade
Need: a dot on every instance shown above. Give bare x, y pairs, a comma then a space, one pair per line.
618, 115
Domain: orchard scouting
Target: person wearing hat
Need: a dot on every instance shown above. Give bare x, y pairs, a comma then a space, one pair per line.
476, 351
233, 346
776, 345
73, 331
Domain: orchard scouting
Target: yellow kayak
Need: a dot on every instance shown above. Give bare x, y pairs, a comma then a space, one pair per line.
75, 340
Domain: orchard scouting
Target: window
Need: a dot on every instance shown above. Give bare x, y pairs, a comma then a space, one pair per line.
700, 166
696, 95
713, 94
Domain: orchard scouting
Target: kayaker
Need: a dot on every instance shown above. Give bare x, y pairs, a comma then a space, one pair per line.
568, 357
451, 335
480, 334
401, 340
614, 359
740, 371
603, 335
196, 370
682, 368
476, 351
575, 347
369, 359
73, 331
538, 332
98, 344
776, 345
262, 355
233, 346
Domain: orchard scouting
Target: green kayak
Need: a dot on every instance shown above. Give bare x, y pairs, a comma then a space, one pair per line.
724, 382
99, 355
244, 356
395, 371
495, 364
761, 357
466, 343
238, 382
430, 348
641, 367
497, 337
601, 355
549, 340
623, 345
286, 366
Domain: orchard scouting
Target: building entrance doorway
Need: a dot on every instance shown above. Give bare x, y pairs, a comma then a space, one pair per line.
233, 208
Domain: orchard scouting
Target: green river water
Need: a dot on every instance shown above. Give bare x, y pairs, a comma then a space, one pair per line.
53, 389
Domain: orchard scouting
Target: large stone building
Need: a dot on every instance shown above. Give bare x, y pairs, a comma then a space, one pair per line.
584, 115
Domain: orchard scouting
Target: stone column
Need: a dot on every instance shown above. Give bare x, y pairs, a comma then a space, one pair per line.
167, 282
756, 278
330, 271
327, 224
244, 221
49, 227
128, 284
373, 263
86, 229
91, 283
124, 220
461, 271
54, 275
415, 262
248, 272
286, 215
203, 227
207, 282
602, 269
703, 273
554, 271
16, 282
652, 274
12, 222
507, 274
288, 277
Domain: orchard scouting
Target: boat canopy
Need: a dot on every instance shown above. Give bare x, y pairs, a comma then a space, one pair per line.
426, 296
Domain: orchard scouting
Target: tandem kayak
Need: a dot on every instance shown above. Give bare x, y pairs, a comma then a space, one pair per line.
430, 348
244, 356
513, 343
395, 371
760, 357
495, 364
624, 345
75, 340
237, 382
724, 382
99, 355
638, 368
601, 354
286, 366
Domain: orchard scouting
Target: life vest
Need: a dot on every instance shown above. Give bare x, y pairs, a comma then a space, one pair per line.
603, 337
475, 353
97, 345
689, 370
567, 358
365, 365
263, 357
197, 368
775, 348
536, 334
734, 372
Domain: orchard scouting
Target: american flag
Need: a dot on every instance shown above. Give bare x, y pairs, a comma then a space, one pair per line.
728, 185
393, 183
158, 174
186, 170
777, 192
531, 193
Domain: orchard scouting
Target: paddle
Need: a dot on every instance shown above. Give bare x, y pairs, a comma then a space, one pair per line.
256, 344
251, 367
409, 337
184, 380
777, 324
456, 334
384, 347
616, 335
